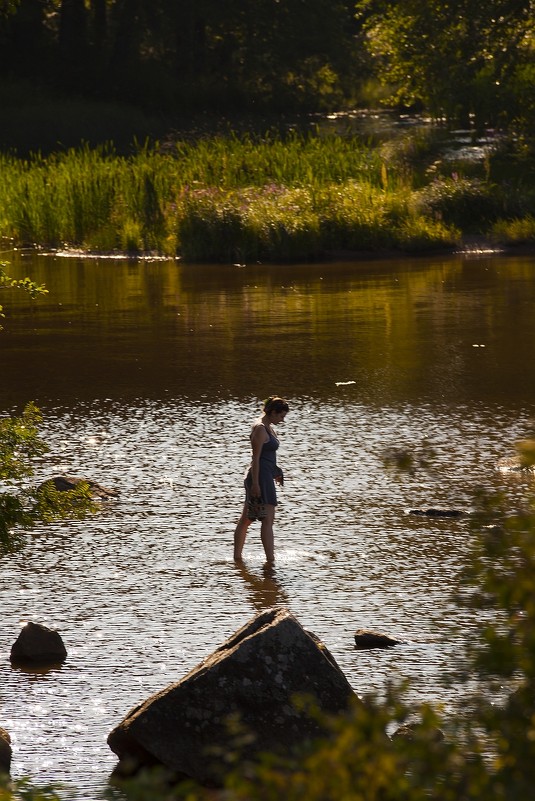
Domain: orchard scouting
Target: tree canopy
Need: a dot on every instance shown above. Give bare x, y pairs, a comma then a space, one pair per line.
458, 59
189, 54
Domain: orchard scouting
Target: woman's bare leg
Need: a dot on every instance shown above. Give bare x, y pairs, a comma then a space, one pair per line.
266, 533
240, 534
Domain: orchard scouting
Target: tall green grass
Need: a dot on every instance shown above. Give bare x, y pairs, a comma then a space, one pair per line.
219, 198
518, 231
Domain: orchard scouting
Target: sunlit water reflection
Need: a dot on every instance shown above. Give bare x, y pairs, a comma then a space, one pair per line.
149, 377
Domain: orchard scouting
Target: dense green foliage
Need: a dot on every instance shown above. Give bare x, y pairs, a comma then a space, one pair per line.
250, 198
219, 200
460, 60
193, 54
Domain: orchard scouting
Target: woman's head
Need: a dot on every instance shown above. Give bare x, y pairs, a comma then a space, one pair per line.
275, 405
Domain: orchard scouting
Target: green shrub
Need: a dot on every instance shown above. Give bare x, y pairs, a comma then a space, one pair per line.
423, 234
514, 232
357, 216
469, 204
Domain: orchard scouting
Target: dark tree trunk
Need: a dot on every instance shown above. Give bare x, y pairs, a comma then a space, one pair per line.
126, 35
100, 24
73, 50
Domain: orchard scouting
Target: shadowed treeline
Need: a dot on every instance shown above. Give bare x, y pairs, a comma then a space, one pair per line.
140, 64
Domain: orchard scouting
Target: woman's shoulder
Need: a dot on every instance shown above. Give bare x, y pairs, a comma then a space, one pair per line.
259, 430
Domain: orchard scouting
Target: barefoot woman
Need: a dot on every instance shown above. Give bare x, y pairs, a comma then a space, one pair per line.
262, 476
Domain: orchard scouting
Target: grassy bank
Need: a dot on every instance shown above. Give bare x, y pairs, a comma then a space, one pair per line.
230, 198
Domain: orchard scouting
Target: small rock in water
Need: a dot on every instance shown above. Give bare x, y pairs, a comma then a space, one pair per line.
414, 731
37, 644
366, 639
437, 512
66, 483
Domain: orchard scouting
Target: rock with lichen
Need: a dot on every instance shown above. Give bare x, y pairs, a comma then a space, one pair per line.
243, 699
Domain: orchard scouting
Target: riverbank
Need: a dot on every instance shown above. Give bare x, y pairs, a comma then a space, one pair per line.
303, 197
469, 246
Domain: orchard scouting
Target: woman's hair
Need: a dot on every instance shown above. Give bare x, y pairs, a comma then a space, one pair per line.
275, 404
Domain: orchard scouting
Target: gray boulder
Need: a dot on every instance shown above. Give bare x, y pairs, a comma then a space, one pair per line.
240, 700
5, 751
366, 639
38, 644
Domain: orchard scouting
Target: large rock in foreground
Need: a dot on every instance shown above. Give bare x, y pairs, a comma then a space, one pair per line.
253, 679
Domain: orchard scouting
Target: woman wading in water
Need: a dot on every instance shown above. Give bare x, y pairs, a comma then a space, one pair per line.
260, 492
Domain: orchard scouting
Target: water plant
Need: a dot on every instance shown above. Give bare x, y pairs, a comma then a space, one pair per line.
280, 223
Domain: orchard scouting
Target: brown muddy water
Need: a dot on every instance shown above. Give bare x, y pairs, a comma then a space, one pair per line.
149, 375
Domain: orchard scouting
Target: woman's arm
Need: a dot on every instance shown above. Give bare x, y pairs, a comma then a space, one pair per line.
259, 436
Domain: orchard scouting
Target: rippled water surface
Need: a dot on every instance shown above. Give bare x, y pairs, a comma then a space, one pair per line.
149, 376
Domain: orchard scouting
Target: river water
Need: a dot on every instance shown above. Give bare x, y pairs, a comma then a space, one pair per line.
149, 375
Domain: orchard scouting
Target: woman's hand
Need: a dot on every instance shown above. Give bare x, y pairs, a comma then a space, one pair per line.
255, 490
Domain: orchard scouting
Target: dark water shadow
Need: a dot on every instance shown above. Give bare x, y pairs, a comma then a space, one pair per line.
36, 670
264, 591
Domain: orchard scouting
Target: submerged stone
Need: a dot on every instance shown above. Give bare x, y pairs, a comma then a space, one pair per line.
67, 483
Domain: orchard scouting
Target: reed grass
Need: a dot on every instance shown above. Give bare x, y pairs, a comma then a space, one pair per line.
219, 198
518, 231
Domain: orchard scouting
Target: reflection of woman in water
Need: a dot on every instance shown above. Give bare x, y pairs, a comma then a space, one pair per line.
261, 478
264, 591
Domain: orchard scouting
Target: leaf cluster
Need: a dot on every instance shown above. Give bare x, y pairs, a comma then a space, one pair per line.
22, 506
31, 287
